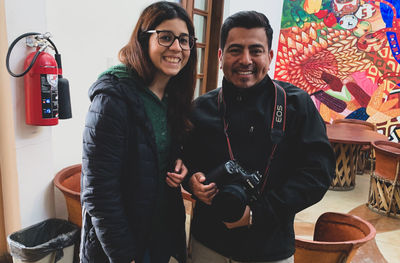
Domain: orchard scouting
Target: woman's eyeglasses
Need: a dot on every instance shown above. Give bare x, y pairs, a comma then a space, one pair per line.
167, 38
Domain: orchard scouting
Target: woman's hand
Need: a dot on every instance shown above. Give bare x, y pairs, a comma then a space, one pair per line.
174, 179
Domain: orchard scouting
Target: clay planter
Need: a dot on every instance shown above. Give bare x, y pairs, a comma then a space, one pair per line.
68, 180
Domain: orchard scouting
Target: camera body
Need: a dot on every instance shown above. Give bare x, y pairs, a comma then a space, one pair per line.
237, 188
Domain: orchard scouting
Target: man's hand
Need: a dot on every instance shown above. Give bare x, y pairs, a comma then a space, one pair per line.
244, 221
175, 179
204, 192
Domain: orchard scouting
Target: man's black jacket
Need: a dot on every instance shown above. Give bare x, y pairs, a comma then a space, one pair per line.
300, 172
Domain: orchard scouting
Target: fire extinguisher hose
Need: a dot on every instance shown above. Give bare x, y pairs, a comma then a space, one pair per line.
34, 58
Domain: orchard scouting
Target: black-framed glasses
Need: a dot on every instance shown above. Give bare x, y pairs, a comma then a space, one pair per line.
166, 38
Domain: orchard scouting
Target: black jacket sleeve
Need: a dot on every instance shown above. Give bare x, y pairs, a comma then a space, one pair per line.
314, 166
104, 144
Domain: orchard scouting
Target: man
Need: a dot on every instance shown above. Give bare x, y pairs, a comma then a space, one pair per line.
295, 160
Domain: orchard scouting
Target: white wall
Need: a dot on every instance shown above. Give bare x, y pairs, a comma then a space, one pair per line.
88, 34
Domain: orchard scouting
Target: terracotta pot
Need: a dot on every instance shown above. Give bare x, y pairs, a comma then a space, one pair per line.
68, 180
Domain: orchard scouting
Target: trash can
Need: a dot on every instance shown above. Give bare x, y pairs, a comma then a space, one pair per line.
50, 241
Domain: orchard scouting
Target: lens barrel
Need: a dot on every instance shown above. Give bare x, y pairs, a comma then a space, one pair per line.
229, 204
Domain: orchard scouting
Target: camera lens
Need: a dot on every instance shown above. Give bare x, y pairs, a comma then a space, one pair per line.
229, 204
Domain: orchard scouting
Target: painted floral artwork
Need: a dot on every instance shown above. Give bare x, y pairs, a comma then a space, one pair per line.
346, 55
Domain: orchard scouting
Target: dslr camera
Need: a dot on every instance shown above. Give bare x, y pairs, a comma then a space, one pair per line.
237, 188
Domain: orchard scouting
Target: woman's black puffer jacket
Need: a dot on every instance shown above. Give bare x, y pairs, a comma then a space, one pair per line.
120, 176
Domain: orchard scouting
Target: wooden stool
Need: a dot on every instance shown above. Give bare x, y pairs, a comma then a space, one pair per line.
189, 203
346, 166
384, 191
365, 151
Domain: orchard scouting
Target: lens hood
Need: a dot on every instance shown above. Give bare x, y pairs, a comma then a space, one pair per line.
229, 204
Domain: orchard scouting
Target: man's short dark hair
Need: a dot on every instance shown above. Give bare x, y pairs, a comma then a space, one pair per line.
246, 19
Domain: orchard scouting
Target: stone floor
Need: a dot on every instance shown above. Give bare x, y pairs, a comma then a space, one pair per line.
386, 245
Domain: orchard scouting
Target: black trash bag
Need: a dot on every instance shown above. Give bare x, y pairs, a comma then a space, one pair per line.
37, 241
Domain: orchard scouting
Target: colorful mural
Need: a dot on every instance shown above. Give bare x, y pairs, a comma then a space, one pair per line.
346, 55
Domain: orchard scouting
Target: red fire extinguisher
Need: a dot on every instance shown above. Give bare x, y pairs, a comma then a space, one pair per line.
46, 91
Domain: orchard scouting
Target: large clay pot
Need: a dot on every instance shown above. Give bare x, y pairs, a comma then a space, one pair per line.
68, 180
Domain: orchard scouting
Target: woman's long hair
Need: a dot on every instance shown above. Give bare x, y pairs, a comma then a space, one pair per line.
181, 87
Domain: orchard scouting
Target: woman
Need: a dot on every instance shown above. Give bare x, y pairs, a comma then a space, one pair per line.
131, 174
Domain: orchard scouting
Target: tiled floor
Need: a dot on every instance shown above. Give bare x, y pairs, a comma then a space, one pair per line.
386, 245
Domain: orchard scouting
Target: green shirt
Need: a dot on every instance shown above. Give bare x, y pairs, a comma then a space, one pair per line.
156, 110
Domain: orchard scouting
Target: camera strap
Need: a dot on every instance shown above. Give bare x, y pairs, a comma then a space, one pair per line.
278, 125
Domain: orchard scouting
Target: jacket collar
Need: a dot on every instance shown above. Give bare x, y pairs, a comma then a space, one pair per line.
232, 92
